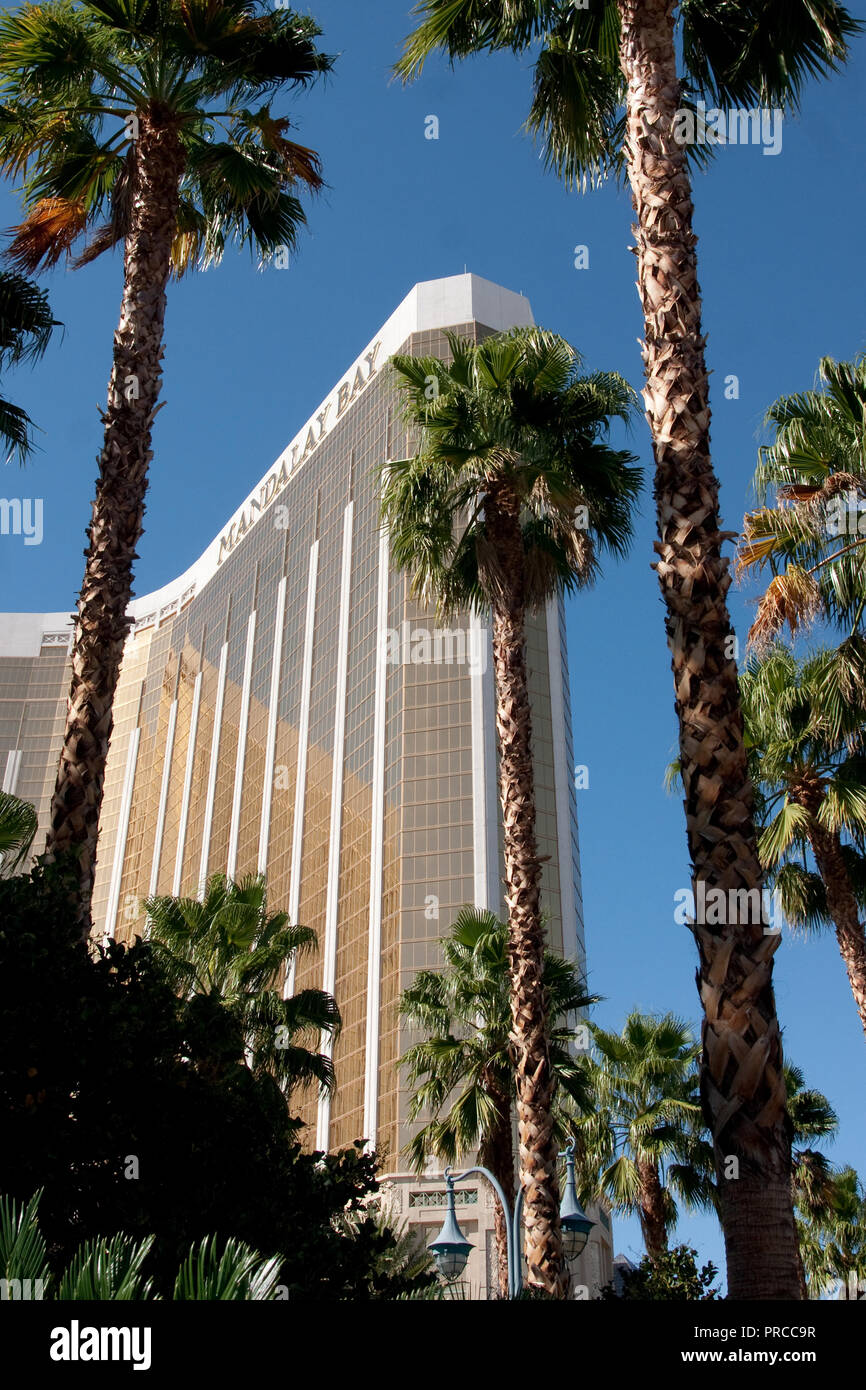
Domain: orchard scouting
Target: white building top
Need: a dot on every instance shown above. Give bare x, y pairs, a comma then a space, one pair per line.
429, 305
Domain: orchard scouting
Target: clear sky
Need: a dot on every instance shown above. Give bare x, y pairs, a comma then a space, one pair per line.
249, 354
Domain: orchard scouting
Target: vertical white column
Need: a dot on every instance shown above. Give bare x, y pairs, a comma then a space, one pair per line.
212, 770
561, 772
122, 831
187, 787
377, 834
301, 766
163, 798
241, 755
13, 768
485, 820
271, 741
332, 900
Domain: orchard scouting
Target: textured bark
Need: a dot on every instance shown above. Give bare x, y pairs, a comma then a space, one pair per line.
533, 1071
118, 509
742, 1083
652, 1210
497, 1154
841, 903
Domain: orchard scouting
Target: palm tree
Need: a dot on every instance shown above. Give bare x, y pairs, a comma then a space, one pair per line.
644, 1146
26, 325
513, 490
113, 111
811, 536
833, 1245
227, 950
813, 1178
608, 97
18, 825
805, 729
461, 1072
112, 1267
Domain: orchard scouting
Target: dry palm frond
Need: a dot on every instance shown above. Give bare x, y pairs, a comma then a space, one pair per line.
793, 598
47, 234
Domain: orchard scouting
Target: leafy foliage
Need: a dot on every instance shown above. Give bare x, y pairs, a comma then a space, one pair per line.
738, 54
808, 535
461, 1072
647, 1115
18, 826
672, 1276
113, 1268
136, 1113
26, 325
228, 950
510, 413
74, 79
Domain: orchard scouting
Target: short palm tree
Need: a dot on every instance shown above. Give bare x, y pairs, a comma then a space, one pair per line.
813, 1119
18, 826
461, 1073
513, 491
833, 1244
146, 125
112, 1267
26, 325
228, 949
805, 730
609, 95
643, 1146
810, 530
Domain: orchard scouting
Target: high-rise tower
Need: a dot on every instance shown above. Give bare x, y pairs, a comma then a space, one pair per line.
284, 706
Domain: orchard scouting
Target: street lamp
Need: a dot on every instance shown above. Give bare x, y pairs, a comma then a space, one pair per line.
573, 1220
451, 1249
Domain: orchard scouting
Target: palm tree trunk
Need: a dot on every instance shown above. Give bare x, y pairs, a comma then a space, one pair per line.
497, 1154
742, 1085
652, 1210
842, 906
118, 508
529, 1043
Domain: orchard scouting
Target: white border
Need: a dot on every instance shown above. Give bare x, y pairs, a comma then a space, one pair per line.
212, 769
271, 740
187, 788
241, 755
122, 831
163, 799
377, 834
332, 902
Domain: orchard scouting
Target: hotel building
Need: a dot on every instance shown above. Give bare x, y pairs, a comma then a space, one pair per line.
284, 706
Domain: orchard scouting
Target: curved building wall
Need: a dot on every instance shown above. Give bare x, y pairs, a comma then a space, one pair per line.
285, 706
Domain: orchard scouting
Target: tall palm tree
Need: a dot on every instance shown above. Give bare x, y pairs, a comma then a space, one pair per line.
608, 96
147, 124
229, 950
460, 1071
810, 529
805, 728
513, 490
18, 826
26, 325
643, 1145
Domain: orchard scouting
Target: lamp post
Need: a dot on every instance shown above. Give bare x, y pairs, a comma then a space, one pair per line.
451, 1249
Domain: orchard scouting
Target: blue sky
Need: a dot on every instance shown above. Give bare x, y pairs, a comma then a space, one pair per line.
249, 354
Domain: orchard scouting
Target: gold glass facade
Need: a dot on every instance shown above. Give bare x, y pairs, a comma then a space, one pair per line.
191, 788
